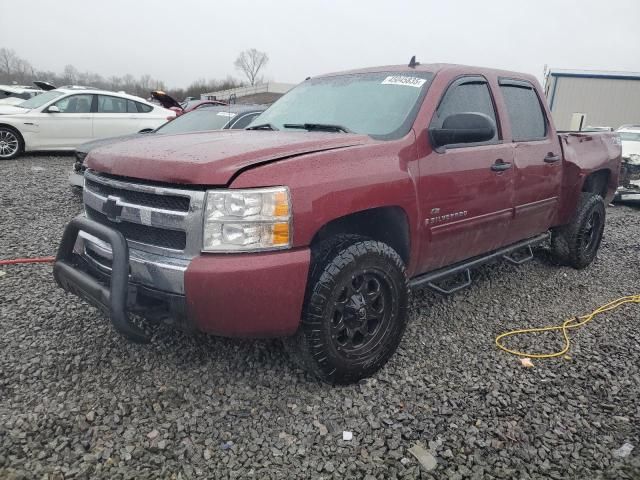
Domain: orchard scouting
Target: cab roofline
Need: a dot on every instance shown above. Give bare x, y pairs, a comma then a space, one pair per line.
435, 68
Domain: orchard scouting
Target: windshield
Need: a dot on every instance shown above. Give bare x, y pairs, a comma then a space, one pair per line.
629, 136
197, 121
41, 99
381, 104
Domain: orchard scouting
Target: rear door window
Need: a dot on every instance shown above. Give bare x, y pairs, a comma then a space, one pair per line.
467, 95
528, 122
131, 107
142, 108
108, 104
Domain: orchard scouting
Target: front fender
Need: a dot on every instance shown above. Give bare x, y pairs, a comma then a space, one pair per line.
328, 185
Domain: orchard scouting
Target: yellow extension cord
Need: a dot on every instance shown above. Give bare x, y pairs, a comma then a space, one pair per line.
575, 322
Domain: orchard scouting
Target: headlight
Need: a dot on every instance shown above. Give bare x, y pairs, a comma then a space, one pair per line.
247, 220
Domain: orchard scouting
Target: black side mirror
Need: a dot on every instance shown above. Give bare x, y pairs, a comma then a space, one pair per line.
463, 128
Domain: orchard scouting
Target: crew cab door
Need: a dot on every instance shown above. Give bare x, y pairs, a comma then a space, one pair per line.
537, 158
465, 190
67, 128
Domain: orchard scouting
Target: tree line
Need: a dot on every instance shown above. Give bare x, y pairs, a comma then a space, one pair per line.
17, 70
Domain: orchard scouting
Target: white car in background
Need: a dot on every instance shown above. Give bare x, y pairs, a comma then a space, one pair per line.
15, 94
66, 117
630, 168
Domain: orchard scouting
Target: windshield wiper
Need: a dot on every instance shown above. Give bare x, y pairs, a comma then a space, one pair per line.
323, 127
262, 126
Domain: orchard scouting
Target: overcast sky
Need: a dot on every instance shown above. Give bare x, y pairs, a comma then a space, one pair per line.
182, 41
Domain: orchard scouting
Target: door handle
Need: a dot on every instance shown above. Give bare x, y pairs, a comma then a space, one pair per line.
500, 166
551, 158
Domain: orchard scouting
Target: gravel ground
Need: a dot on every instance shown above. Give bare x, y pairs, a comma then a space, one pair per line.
76, 401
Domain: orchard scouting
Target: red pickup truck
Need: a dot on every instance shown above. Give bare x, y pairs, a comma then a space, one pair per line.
315, 222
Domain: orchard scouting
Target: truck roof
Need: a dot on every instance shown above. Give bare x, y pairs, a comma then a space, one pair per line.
438, 68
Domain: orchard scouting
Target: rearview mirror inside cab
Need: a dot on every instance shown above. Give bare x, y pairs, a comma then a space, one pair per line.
463, 128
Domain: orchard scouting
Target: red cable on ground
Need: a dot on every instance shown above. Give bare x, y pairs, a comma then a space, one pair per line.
17, 261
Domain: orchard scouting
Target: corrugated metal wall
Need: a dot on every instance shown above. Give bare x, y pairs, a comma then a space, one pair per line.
607, 102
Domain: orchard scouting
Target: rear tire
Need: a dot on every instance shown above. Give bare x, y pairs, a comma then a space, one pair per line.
355, 310
576, 244
11, 143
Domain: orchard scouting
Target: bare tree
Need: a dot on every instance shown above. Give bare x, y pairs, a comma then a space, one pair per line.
8, 59
16, 69
250, 62
70, 75
145, 83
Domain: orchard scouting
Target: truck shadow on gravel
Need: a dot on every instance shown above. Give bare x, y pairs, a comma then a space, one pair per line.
173, 351
181, 350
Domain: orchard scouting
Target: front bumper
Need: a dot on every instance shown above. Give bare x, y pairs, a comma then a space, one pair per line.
247, 295
76, 176
76, 179
111, 298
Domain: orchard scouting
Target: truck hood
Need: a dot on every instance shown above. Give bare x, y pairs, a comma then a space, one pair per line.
210, 158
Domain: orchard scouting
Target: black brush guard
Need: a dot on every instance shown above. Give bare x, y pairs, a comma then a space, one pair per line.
112, 299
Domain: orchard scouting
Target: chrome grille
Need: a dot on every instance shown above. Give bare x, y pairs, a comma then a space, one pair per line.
165, 202
155, 219
173, 239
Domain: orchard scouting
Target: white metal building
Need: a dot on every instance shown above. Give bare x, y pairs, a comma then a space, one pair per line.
263, 93
607, 99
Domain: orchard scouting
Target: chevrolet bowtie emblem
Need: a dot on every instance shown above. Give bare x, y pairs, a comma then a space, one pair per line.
112, 208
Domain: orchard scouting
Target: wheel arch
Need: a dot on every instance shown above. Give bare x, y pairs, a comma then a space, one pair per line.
388, 224
22, 145
597, 182
12, 127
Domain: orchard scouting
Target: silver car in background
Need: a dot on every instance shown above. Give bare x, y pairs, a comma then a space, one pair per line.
207, 117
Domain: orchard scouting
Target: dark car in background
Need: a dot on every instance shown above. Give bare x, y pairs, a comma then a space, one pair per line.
213, 117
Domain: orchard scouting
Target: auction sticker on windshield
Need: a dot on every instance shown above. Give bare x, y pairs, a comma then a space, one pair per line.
403, 80
226, 114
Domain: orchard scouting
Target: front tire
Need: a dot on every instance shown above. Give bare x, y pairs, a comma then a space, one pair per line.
577, 243
355, 310
11, 143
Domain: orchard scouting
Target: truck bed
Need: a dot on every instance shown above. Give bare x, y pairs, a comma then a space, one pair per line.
583, 154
